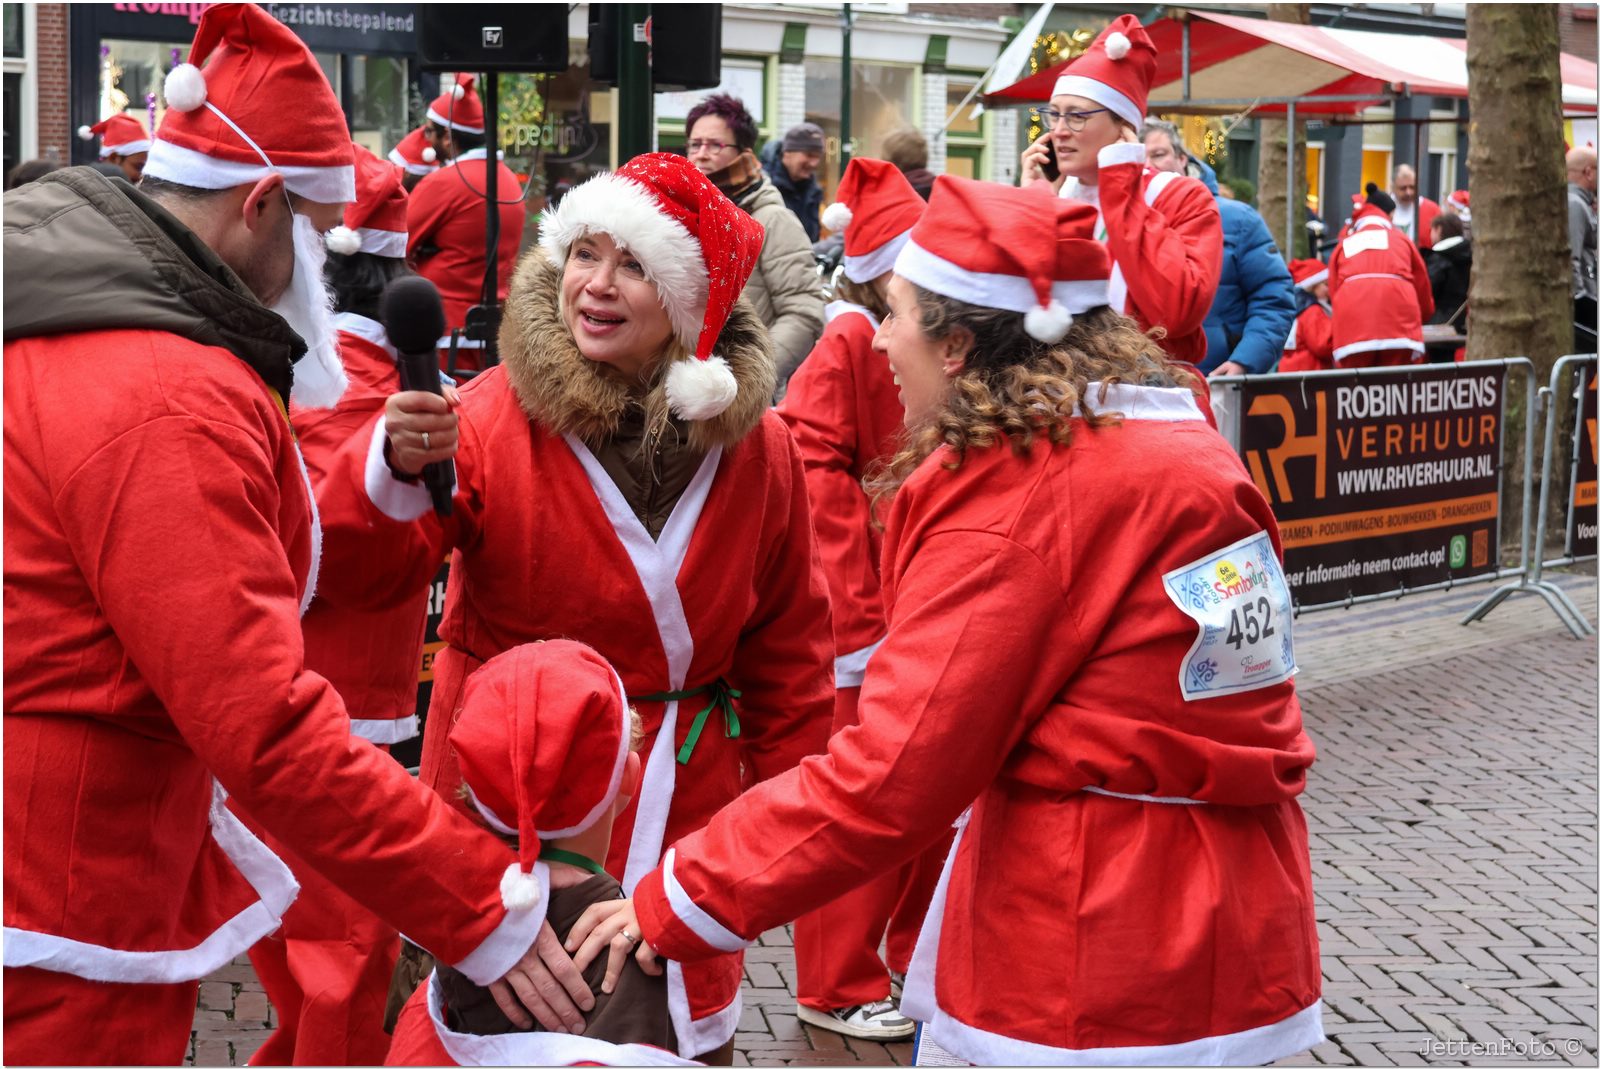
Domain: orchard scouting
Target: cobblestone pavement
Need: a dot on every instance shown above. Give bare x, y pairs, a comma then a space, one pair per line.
1453, 816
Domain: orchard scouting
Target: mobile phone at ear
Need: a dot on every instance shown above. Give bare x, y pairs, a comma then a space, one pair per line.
1050, 168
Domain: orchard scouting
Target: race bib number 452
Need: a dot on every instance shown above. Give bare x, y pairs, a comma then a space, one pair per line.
1240, 599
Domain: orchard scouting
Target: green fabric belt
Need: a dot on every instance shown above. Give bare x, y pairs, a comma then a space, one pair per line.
721, 696
570, 857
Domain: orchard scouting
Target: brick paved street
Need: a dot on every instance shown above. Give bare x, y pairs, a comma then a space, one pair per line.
1453, 817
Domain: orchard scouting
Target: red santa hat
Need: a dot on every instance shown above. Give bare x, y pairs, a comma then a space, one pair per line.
261, 105
1308, 273
663, 210
376, 221
1461, 203
543, 737
120, 135
415, 153
995, 246
1115, 72
458, 108
876, 210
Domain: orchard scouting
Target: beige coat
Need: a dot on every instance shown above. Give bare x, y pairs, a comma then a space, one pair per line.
784, 288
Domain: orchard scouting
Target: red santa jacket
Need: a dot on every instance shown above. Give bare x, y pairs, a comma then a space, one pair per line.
1420, 230
1165, 238
845, 413
448, 228
546, 546
1309, 346
370, 656
1379, 289
1059, 659
161, 543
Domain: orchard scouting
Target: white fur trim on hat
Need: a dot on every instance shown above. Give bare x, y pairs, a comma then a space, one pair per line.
325, 185
1314, 280
700, 389
391, 243
837, 216
628, 213
127, 148
1010, 292
1117, 45
85, 133
519, 890
1101, 93
444, 121
342, 240
185, 87
1047, 324
879, 261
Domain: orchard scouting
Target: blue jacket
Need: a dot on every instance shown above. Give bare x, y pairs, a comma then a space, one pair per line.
805, 199
1254, 307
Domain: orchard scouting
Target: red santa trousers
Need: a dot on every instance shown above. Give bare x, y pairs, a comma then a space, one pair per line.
54, 1018
327, 973
836, 947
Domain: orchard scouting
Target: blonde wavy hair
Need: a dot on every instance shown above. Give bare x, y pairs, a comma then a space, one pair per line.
1016, 389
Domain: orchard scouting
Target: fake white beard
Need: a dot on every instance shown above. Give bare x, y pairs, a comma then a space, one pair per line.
307, 305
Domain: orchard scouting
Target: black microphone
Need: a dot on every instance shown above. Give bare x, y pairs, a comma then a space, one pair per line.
413, 318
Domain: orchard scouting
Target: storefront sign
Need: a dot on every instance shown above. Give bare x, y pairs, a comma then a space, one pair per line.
1380, 482
1581, 518
329, 27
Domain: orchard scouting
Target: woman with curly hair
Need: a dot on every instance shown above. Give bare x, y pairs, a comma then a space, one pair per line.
784, 287
1088, 669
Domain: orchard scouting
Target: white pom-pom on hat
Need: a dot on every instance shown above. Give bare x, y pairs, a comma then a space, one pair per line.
457, 92
837, 216
86, 133
700, 389
185, 87
429, 154
342, 240
519, 890
1117, 45
1047, 324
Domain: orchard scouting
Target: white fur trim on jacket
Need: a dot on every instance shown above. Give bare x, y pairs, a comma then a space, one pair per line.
385, 732
261, 869
628, 213
397, 500
698, 920
325, 185
849, 669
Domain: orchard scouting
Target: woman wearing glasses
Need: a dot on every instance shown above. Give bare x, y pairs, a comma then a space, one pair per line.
784, 287
1162, 230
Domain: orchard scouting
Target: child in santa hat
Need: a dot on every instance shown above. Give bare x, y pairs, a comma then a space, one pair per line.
1309, 346
1162, 229
547, 743
845, 412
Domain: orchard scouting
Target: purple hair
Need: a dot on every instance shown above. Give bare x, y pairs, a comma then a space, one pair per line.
731, 110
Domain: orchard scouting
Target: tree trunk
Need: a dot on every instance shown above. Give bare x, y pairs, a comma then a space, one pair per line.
1521, 303
1272, 178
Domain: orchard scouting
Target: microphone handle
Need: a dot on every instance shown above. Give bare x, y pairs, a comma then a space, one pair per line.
420, 371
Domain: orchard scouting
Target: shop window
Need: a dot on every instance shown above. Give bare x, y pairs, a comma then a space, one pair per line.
744, 77
555, 131
14, 21
20, 139
1375, 167
379, 117
883, 97
13, 120
131, 75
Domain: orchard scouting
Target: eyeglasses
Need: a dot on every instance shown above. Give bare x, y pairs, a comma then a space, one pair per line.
1075, 120
701, 143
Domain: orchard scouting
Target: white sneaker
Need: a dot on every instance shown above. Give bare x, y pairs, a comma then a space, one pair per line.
875, 1020
897, 987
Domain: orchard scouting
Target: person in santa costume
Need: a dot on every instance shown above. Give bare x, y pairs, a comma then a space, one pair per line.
415, 156
448, 219
1088, 668
124, 143
621, 482
161, 543
546, 742
845, 413
1379, 289
1309, 346
1413, 215
1162, 229
327, 969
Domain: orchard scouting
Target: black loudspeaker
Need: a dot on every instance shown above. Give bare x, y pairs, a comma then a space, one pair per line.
685, 51
493, 37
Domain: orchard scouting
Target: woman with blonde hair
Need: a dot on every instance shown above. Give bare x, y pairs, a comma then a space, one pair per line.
1088, 669
620, 481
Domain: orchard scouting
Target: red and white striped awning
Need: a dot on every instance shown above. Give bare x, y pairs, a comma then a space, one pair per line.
1235, 60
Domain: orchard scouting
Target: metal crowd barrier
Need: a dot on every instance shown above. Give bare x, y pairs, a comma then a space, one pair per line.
1532, 580
1231, 424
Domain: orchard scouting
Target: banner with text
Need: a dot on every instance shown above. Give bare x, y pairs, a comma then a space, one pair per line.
1380, 481
1581, 509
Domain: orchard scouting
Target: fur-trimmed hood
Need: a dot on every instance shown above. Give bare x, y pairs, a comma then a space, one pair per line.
568, 393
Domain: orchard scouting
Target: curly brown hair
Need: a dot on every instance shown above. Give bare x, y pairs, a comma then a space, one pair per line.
1016, 388
864, 294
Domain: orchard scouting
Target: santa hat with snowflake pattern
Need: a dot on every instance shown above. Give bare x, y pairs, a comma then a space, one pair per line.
1115, 71
1023, 250
663, 210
